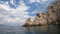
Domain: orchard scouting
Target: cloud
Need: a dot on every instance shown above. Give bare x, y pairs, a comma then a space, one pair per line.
39, 1
21, 7
31, 1
44, 0
12, 2
20, 13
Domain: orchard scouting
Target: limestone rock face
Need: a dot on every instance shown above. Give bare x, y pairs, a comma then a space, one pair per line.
50, 17
40, 19
28, 23
58, 9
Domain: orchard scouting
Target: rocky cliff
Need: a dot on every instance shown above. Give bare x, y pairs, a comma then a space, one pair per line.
52, 16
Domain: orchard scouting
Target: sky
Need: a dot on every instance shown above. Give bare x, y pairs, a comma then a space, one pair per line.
16, 12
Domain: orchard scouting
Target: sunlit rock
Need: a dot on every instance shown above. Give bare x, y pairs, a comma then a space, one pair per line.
28, 23
40, 19
52, 16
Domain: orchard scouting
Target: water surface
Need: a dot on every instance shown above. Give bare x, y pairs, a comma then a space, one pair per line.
51, 29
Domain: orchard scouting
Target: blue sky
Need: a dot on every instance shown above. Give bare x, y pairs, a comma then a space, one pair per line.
17, 11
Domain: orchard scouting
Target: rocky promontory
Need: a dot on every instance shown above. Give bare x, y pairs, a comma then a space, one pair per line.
52, 16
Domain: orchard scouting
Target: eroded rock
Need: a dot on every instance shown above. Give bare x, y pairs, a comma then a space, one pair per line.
52, 16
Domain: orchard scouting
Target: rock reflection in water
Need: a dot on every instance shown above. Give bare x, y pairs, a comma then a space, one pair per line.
51, 29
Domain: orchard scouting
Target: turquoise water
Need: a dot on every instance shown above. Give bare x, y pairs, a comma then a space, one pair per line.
51, 29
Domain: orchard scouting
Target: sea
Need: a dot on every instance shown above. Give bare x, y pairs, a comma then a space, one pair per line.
50, 29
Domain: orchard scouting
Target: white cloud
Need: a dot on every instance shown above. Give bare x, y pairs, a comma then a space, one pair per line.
21, 7
4, 6
44, 0
12, 2
20, 17
20, 13
39, 1
31, 1
35, 12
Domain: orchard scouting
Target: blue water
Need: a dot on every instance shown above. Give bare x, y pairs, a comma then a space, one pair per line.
51, 29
